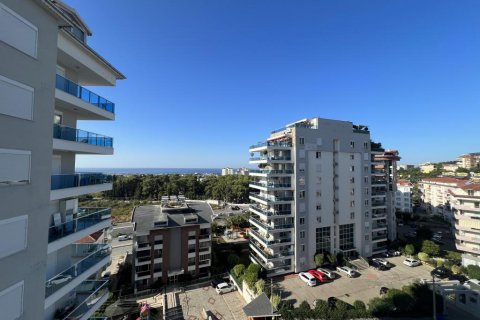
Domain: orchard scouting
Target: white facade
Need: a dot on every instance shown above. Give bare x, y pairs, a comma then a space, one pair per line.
227, 171
403, 197
316, 192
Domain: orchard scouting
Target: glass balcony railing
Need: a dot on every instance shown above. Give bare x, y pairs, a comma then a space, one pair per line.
88, 293
271, 172
380, 236
77, 135
92, 253
270, 213
269, 242
263, 224
270, 255
272, 158
86, 218
63, 181
272, 144
86, 95
272, 185
271, 198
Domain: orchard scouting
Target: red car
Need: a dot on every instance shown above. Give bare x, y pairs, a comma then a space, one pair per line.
321, 277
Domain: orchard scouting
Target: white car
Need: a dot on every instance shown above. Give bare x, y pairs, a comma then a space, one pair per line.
328, 273
348, 271
411, 262
308, 278
124, 237
382, 262
224, 288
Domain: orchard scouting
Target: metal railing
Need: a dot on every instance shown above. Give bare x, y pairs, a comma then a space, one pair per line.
86, 95
96, 289
270, 213
86, 217
272, 158
272, 144
271, 198
77, 135
62, 181
271, 185
94, 254
284, 171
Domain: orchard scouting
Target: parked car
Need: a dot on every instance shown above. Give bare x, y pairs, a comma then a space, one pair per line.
224, 288
383, 290
459, 277
348, 271
235, 208
124, 237
308, 278
217, 280
393, 253
377, 265
321, 277
383, 262
440, 272
328, 273
411, 262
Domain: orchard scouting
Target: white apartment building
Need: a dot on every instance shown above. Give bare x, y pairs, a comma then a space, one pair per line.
321, 186
469, 160
403, 196
227, 171
47, 272
458, 201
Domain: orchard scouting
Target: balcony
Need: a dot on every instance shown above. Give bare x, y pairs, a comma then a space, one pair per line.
468, 248
93, 256
267, 255
273, 268
379, 226
271, 144
268, 243
261, 224
378, 204
379, 237
266, 173
269, 186
88, 221
80, 141
89, 296
266, 213
272, 158
85, 103
269, 199
74, 185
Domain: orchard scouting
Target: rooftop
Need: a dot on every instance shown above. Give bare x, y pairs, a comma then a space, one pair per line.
259, 307
166, 215
462, 183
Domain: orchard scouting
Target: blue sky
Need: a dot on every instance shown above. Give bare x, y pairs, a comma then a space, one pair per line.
206, 79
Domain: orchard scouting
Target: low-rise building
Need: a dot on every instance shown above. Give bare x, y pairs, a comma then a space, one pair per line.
450, 167
171, 241
458, 201
405, 166
427, 167
403, 196
469, 160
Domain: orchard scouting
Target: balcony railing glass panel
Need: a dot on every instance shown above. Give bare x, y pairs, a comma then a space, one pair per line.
63, 181
77, 135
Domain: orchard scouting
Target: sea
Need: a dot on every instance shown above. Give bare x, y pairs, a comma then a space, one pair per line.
129, 171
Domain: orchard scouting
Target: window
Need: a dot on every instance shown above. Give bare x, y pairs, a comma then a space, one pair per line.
365, 169
319, 194
352, 168
366, 191
13, 235
302, 220
352, 156
322, 239
365, 179
366, 202
318, 154
365, 145
15, 167
302, 234
352, 180
352, 144
301, 194
319, 179
301, 140
477, 204
366, 237
319, 207
302, 247
470, 192
352, 215
11, 300
191, 261
319, 219
346, 236
367, 214
352, 203
352, 192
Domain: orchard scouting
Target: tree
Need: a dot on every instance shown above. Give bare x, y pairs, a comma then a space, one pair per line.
232, 260
332, 259
250, 279
456, 269
430, 248
319, 259
380, 307
403, 301
409, 250
455, 257
303, 311
423, 256
260, 286
238, 270
358, 304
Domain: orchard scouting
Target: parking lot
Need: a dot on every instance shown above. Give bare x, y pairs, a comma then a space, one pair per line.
227, 306
364, 287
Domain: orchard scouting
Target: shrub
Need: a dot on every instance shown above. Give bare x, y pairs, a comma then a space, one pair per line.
456, 269
360, 305
473, 272
321, 307
250, 279
456, 257
403, 301
238, 270
423, 256
319, 259
254, 268
440, 263
430, 248
380, 307
275, 300
232, 260
303, 311
409, 249
432, 262
448, 264
260, 286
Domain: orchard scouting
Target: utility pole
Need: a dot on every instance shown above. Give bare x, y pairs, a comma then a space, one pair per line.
434, 299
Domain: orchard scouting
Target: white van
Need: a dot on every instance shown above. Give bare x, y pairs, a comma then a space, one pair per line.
308, 279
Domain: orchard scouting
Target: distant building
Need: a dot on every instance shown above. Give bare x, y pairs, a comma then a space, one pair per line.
243, 171
450, 167
403, 196
227, 171
458, 201
171, 241
427, 167
469, 161
405, 166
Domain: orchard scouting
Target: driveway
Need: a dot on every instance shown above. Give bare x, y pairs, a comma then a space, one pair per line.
227, 306
364, 287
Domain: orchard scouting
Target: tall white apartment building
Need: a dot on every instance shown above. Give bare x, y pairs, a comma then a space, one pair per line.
319, 187
469, 160
458, 200
47, 273
403, 196
227, 171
